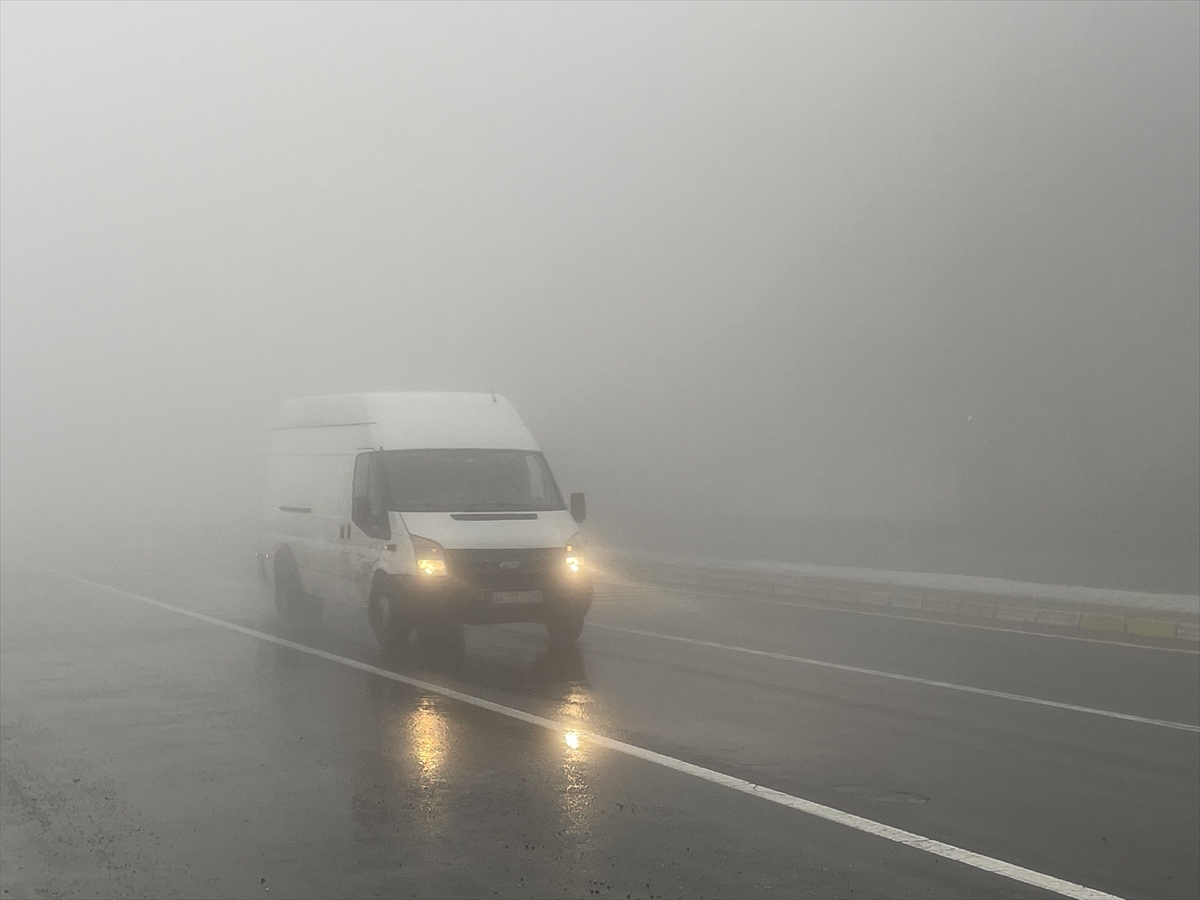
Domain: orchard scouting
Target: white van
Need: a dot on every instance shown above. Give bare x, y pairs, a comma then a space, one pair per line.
423, 509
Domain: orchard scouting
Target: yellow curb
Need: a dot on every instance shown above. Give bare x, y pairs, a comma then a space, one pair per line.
1016, 614
1100, 622
1058, 617
939, 605
1150, 628
874, 599
841, 595
977, 610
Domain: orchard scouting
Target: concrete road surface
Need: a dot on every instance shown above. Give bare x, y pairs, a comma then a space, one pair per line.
693, 746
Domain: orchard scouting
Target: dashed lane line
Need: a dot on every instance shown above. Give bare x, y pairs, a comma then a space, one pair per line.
912, 679
697, 595
858, 823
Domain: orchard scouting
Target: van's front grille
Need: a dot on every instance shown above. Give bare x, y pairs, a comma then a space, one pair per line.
505, 570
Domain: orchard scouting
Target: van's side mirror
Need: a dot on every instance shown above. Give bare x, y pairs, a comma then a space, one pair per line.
578, 508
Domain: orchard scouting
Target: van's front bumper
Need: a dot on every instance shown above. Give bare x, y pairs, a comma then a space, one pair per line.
445, 599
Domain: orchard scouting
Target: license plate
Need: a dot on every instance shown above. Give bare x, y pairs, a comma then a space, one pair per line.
516, 596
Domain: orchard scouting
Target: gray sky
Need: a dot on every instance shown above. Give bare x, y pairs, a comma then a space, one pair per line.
759, 257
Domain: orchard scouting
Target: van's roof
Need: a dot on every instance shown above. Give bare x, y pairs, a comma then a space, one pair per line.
413, 419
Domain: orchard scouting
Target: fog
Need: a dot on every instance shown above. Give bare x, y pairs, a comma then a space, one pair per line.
749, 272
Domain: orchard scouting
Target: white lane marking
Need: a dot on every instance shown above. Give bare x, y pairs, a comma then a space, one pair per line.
702, 596
1162, 723
867, 826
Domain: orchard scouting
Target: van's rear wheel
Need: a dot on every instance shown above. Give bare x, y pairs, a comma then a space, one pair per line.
289, 593
391, 627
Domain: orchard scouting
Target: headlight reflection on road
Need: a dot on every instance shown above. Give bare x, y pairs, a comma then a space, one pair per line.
577, 795
574, 709
428, 731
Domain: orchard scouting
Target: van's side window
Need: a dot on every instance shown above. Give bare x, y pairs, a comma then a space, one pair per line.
368, 506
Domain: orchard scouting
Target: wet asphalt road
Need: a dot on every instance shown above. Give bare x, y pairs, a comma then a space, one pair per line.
144, 753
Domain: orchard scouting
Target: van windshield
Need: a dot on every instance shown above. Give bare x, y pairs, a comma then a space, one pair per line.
468, 481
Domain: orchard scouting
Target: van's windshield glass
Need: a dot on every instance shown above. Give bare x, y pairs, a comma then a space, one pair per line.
469, 481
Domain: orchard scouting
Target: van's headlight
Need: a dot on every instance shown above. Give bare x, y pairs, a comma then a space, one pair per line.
574, 555
430, 557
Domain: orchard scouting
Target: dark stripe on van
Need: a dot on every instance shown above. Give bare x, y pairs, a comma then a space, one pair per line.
319, 425
297, 509
491, 517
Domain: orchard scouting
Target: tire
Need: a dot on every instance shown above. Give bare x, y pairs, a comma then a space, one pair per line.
386, 615
441, 645
565, 626
289, 593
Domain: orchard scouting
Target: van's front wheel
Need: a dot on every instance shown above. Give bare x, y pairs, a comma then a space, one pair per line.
387, 619
564, 626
